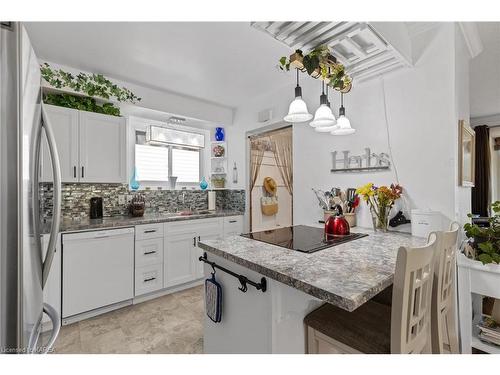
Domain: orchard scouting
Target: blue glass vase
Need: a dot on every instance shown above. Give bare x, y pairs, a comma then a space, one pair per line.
219, 134
203, 183
134, 184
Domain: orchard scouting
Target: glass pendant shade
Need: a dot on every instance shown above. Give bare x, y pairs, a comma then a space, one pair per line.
323, 117
343, 127
343, 124
297, 111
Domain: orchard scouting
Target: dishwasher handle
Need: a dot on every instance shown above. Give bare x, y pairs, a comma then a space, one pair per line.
99, 234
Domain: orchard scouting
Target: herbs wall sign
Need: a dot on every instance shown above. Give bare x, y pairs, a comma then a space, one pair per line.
358, 163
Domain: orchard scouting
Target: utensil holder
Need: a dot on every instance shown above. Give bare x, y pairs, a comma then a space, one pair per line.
350, 218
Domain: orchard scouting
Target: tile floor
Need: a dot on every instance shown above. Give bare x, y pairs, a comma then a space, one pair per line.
172, 324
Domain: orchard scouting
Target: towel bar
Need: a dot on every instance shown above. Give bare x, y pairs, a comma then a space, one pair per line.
242, 279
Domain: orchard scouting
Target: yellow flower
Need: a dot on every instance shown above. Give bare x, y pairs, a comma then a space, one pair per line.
365, 190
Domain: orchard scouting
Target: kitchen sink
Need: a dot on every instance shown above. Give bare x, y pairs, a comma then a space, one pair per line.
189, 213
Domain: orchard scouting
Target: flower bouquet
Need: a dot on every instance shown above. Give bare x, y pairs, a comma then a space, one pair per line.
380, 199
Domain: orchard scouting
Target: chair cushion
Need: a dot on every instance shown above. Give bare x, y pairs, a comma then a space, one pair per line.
367, 329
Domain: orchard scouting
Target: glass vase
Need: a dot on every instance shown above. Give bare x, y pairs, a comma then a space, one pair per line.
380, 218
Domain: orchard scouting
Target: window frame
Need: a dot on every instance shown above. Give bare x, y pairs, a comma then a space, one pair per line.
142, 128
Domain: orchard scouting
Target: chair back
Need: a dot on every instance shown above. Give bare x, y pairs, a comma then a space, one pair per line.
411, 299
444, 336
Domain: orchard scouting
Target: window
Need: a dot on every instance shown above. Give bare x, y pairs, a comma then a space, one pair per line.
186, 165
154, 163
151, 163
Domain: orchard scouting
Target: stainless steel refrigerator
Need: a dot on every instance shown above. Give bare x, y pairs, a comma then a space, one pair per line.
23, 269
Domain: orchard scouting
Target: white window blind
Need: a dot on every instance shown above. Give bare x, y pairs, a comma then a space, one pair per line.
151, 163
186, 165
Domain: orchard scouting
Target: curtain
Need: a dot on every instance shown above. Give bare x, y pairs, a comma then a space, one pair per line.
481, 189
256, 156
282, 149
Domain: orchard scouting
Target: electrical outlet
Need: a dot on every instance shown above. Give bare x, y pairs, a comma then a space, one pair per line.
121, 199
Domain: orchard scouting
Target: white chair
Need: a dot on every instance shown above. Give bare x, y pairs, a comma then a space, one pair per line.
443, 322
404, 327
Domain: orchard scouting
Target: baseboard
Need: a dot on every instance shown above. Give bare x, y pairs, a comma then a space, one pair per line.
164, 292
90, 314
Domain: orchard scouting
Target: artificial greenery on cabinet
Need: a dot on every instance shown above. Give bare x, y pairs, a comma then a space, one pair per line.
82, 103
93, 85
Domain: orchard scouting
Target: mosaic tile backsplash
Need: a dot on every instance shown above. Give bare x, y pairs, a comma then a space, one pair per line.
76, 198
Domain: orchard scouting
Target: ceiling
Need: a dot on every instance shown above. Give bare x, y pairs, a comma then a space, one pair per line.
221, 62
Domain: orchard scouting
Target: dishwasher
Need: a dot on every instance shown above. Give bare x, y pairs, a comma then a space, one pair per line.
98, 269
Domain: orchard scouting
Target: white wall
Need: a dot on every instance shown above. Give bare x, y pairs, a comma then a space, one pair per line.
463, 201
485, 72
421, 111
170, 102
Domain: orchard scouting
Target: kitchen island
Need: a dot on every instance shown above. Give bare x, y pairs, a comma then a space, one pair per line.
346, 275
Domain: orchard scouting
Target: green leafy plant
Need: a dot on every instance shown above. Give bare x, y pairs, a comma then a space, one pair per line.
82, 103
320, 63
486, 241
90, 84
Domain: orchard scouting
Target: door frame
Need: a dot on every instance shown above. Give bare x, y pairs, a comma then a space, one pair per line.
277, 125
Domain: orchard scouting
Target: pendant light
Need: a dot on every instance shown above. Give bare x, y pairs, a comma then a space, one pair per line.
343, 123
327, 129
324, 116
297, 112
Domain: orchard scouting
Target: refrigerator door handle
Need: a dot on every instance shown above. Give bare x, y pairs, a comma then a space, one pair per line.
56, 215
56, 326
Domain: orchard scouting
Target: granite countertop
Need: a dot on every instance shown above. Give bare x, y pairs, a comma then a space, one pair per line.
68, 225
346, 275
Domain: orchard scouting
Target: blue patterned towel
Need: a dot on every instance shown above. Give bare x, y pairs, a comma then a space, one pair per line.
213, 299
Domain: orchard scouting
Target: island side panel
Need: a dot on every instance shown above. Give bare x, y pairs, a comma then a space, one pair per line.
257, 322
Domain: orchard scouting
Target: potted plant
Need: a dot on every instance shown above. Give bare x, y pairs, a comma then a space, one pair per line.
380, 200
484, 242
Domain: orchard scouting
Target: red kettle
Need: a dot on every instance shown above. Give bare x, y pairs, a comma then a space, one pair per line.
336, 225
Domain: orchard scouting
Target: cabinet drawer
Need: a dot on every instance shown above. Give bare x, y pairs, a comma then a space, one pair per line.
148, 279
149, 252
233, 225
148, 231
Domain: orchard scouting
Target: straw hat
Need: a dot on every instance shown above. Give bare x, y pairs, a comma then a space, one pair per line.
270, 185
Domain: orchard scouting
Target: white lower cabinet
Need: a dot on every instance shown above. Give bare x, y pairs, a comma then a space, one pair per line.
233, 226
148, 279
181, 251
178, 250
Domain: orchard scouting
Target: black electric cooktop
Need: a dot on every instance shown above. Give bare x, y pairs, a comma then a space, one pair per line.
301, 238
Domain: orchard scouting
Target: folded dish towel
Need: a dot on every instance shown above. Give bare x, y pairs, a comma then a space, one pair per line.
213, 299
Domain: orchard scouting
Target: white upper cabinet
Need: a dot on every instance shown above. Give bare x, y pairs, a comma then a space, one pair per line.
102, 148
91, 146
65, 125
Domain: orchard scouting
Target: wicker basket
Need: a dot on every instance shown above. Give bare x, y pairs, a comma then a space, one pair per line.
218, 184
269, 209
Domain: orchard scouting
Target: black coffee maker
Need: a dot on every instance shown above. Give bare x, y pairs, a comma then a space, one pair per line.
95, 207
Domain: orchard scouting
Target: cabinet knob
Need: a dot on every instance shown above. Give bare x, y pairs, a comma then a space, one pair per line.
149, 279
149, 252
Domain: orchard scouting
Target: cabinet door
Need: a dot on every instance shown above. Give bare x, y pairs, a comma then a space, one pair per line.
198, 252
65, 125
102, 148
177, 258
